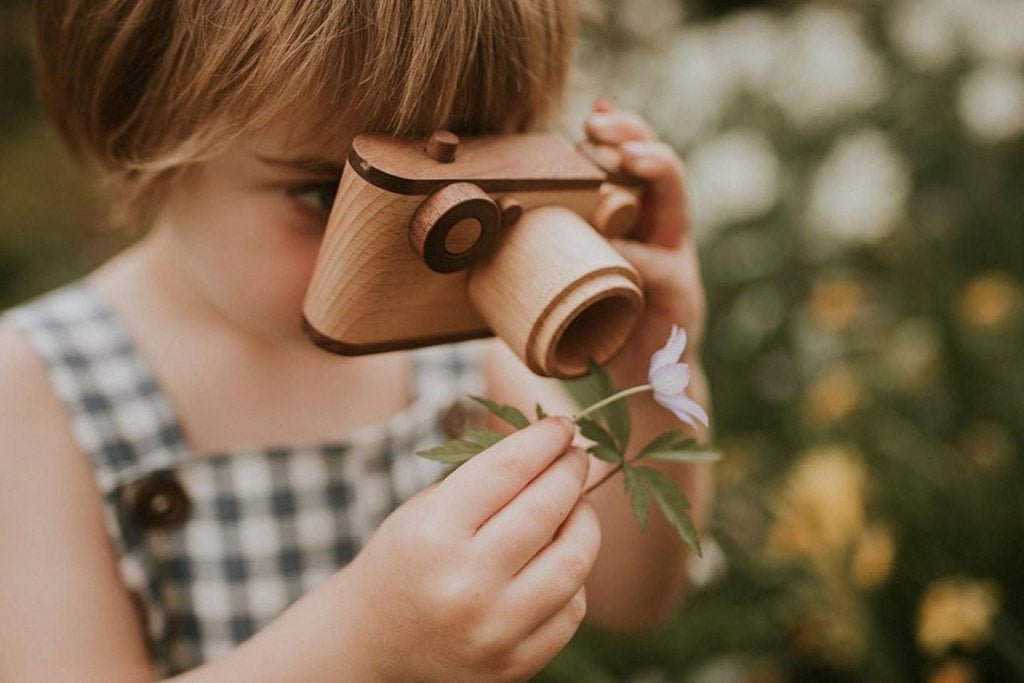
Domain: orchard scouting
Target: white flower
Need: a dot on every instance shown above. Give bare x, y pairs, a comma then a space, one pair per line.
991, 103
994, 30
693, 87
925, 33
669, 379
733, 178
648, 19
748, 43
859, 191
826, 69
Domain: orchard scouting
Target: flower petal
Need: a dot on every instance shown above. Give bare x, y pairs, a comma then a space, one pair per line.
670, 379
671, 352
681, 405
679, 413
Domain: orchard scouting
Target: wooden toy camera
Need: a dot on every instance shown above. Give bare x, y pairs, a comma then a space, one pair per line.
441, 240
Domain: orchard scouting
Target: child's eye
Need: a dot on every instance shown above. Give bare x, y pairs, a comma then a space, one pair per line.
317, 196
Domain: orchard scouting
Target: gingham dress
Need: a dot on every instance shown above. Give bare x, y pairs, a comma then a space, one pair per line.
213, 547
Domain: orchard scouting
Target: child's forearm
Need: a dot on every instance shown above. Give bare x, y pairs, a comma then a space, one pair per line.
640, 576
304, 644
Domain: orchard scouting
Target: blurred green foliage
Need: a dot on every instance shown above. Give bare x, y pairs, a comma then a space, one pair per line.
51, 227
856, 171
856, 174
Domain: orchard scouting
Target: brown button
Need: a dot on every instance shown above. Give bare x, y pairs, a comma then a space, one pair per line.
455, 420
161, 503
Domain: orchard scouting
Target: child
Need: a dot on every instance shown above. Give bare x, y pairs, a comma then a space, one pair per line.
188, 485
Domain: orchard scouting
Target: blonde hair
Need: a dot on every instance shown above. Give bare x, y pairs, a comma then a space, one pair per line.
143, 88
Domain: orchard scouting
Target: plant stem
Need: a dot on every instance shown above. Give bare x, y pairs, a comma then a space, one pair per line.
601, 404
598, 406
611, 399
608, 475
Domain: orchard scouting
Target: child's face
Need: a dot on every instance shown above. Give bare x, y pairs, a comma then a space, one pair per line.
247, 224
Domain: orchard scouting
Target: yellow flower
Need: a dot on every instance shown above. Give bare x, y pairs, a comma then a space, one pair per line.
873, 557
821, 508
740, 452
836, 304
988, 300
763, 672
953, 671
834, 395
956, 611
831, 633
988, 444
913, 358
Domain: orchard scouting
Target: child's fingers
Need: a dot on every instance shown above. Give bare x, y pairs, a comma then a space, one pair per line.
544, 585
548, 639
667, 206
617, 127
519, 530
490, 480
658, 266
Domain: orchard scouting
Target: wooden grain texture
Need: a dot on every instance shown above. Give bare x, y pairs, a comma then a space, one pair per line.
511, 210
616, 211
533, 161
372, 291
557, 293
442, 225
442, 146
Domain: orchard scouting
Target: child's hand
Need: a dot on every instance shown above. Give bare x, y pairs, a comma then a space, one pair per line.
481, 576
663, 251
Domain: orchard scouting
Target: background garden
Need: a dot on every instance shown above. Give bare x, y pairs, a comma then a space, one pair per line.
857, 174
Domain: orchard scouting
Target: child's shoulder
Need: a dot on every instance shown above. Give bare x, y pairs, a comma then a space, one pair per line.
34, 427
29, 409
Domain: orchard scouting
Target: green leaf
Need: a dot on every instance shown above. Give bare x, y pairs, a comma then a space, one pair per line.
638, 495
484, 437
453, 452
540, 412
598, 434
673, 504
662, 442
616, 414
586, 390
507, 413
693, 457
593, 387
675, 446
605, 453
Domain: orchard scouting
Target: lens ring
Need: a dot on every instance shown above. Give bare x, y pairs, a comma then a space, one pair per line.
435, 251
438, 216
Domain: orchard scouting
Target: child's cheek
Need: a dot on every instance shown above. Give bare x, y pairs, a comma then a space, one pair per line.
286, 255
258, 263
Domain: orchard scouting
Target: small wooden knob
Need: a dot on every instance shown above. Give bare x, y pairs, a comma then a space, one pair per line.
454, 227
511, 211
442, 146
616, 211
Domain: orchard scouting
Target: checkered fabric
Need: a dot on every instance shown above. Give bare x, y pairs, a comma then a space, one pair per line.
213, 547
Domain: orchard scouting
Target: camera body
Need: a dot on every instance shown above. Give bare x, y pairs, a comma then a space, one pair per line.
439, 240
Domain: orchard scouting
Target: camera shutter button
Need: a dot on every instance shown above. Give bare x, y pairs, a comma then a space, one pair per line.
442, 146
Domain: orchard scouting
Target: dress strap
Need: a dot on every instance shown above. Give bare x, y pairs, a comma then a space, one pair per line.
119, 415
442, 378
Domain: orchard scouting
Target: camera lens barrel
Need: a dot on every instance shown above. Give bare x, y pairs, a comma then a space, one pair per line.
556, 292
